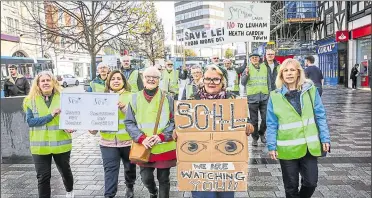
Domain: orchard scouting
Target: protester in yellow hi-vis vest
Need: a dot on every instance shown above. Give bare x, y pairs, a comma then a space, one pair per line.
193, 87
140, 122
256, 78
297, 130
170, 79
131, 74
47, 141
232, 77
98, 84
115, 145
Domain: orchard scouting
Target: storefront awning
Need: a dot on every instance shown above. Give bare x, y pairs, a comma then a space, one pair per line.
43, 60
16, 60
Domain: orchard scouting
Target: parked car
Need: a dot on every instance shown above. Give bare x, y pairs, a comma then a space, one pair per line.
67, 79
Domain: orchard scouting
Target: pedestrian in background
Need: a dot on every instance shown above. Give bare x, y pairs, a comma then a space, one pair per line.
232, 77
194, 86
354, 75
98, 84
297, 130
131, 74
140, 122
115, 145
170, 79
313, 73
16, 84
256, 79
273, 65
214, 88
47, 141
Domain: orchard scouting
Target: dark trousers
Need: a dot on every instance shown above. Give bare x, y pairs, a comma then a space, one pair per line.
200, 194
147, 176
43, 168
307, 166
253, 112
354, 83
111, 157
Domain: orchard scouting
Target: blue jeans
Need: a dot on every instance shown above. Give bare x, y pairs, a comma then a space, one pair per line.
211, 194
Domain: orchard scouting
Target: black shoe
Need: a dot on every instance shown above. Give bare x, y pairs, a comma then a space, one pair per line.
263, 139
254, 142
129, 193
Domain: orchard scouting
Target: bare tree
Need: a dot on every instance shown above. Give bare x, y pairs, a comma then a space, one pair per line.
149, 37
88, 26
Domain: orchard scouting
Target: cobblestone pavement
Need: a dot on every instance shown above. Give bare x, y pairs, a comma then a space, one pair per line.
346, 172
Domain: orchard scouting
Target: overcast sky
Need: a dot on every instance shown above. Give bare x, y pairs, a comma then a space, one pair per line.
165, 10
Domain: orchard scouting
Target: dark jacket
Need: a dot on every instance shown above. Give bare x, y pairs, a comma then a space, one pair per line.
353, 73
183, 74
139, 79
17, 87
272, 74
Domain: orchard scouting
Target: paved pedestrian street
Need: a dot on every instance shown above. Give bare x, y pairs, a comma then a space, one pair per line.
345, 172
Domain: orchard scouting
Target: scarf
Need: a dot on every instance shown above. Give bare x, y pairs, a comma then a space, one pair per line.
206, 96
149, 94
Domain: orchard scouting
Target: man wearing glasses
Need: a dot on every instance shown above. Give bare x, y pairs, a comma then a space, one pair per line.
98, 84
170, 79
257, 79
16, 84
131, 74
232, 77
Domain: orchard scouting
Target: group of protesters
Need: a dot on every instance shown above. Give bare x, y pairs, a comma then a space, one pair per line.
293, 121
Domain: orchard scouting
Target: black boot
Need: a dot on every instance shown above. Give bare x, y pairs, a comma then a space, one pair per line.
129, 193
306, 192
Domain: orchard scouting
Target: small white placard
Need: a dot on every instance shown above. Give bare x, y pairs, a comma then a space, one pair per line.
89, 111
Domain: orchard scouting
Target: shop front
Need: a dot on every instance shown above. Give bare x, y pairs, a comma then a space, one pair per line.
362, 36
328, 60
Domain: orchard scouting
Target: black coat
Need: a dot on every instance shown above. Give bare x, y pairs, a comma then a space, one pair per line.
353, 73
19, 87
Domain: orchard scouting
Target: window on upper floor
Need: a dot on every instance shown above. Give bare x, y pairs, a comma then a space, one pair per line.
16, 27
329, 24
10, 25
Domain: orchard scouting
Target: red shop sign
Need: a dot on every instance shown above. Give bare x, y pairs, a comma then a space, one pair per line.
342, 36
362, 31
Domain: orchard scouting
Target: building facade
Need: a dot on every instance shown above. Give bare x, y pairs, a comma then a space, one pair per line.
198, 16
359, 45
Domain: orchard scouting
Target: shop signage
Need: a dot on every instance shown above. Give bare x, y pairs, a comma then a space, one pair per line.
327, 49
361, 32
342, 36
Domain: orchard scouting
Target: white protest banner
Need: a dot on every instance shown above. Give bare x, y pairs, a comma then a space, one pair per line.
203, 38
110, 60
247, 22
89, 111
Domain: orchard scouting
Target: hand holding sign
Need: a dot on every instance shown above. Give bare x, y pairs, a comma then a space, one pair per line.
249, 129
56, 112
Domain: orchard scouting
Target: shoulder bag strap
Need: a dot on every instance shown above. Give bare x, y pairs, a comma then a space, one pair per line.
159, 112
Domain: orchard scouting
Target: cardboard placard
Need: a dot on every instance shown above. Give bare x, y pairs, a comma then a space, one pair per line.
211, 115
212, 176
89, 111
212, 146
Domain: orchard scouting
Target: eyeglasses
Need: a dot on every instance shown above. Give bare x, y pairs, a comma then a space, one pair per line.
195, 73
270, 54
170, 64
152, 77
215, 81
215, 58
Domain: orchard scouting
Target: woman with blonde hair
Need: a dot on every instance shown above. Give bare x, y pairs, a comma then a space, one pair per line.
47, 141
115, 145
297, 130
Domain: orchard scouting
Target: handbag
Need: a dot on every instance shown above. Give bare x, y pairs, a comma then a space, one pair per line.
324, 153
138, 153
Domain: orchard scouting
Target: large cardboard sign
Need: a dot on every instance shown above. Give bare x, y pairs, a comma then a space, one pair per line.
203, 38
247, 22
212, 147
89, 111
211, 115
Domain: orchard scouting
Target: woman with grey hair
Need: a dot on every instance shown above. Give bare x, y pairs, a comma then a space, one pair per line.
140, 122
